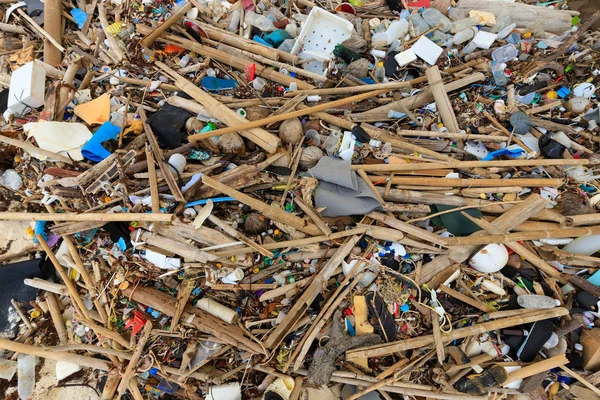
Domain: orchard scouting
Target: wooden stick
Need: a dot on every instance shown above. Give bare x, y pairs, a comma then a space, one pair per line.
361, 172
268, 210
114, 45
436, 85
283, 117
125, 217
167, 171
153, 181
581, 220
468, 164
12, 28
57, 319
526, 182
262, 138
183, 294
51, 287
174, 18
536, 368
422, 341
313, 215
130, 370
465, 299
437, 337
187, 251
309, 294
30, 148
498, 125
580, 379
41, 31
22, 315
73, 293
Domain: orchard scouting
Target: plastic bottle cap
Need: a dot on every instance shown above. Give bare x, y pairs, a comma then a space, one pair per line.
578, 346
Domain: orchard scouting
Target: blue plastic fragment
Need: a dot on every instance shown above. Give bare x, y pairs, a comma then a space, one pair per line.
217, 84
277, 37
261, 41
40, 229
79, 16
512, 152
404, 308
93, 149
167, 386
204, 201
563, 92
350, 328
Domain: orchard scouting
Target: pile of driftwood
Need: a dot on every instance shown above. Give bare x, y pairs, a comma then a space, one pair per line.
223, 209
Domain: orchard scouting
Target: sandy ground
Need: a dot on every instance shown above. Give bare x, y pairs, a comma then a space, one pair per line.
14, 232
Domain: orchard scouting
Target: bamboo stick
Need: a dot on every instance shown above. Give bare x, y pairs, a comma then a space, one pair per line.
422, 341
536, 368
41, 31
581, 379
313, 215
84, 361
582, 220
268, 210
153, 181
12, 28
174, 18
52, 18
468, 164
309, 294
448, 135
114, 45
125, 217
57, 319
51, 287
227, 38
444, 107
262, 138
526, 182
73, 293
498, 125
527, 235
390, 86
408, 229
283, 117
130, 370
465, 299
189, 252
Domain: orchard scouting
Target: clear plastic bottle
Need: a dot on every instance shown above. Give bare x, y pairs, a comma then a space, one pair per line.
434, 17
468, 49
234, 23
26, 372
498, 72
419, 24
502, 21
506, 31
260, 21
465, 23
11, 179
505, 53
465, 35
396, 30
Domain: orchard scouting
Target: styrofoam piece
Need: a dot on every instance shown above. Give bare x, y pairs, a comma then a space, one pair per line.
7, 369
27, 87
321, 32
65, 369
426, 50
484, 40
406, 57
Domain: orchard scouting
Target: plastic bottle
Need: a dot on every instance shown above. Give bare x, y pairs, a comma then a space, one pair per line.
234, 23
505, 53
465, 23
26, 372
397, 30
419, 24
506, 31
434, 17
465, 35
287, 45
313, 99
585, 245
260, 21
379, 72
502, 21
468, 49
498, 72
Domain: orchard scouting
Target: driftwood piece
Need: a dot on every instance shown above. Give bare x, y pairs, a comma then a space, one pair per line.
323, 364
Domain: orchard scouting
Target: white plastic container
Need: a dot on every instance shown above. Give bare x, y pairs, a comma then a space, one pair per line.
585, 245
464, 23
27, 88
397, 30
405, 58
427, 50
505, 53
230, 391
321, 32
